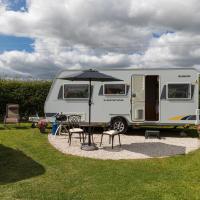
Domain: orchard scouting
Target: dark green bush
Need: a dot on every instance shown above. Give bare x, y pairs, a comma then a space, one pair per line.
30, 95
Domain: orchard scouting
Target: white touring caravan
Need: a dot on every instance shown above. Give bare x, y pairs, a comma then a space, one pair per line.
145, 96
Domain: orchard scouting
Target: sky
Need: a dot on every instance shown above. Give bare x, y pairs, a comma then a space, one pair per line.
38, 38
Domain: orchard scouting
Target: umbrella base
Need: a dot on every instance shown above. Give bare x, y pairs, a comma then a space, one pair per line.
87, 147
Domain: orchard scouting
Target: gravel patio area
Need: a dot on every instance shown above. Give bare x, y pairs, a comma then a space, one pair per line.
133, 147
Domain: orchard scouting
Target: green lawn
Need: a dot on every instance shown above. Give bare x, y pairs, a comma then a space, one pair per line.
30, 168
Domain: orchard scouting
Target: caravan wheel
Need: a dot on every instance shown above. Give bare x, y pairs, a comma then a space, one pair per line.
119, 124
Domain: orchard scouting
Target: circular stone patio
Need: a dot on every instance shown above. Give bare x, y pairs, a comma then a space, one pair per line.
133, 147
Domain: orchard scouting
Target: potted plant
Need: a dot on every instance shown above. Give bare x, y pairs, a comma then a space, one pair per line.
42, 124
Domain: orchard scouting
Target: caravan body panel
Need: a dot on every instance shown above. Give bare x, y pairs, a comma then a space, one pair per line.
131, 107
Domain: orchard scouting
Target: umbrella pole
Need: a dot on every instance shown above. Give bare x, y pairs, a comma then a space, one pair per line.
89, 146
90, 103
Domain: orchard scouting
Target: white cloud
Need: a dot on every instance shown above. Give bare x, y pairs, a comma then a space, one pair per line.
102, 33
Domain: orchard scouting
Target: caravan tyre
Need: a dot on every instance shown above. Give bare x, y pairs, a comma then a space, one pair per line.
119, 124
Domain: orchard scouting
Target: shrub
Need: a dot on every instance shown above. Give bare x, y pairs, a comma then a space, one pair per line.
30, 95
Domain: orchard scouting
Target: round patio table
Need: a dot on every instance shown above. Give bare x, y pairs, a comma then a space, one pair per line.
84, 126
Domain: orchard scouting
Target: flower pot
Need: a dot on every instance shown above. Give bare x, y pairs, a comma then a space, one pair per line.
42, 129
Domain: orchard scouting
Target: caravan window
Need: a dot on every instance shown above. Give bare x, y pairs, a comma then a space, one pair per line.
179, 91
75, 91
114, 89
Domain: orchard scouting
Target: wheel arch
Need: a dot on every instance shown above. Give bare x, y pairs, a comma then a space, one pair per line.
120, 117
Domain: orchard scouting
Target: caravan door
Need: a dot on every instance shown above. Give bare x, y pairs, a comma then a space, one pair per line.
138, 98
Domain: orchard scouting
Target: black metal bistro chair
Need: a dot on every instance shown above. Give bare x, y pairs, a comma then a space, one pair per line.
62, 129
74, 127
111, 132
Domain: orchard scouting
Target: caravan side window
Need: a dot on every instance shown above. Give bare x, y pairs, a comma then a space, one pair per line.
114, 89
179, 91
75, 91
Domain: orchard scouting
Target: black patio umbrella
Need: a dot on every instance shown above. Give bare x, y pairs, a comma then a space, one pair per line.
90, 75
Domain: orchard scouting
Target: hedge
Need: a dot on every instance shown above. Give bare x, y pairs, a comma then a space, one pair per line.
30, 95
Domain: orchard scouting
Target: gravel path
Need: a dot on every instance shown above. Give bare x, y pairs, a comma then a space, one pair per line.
133, 147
